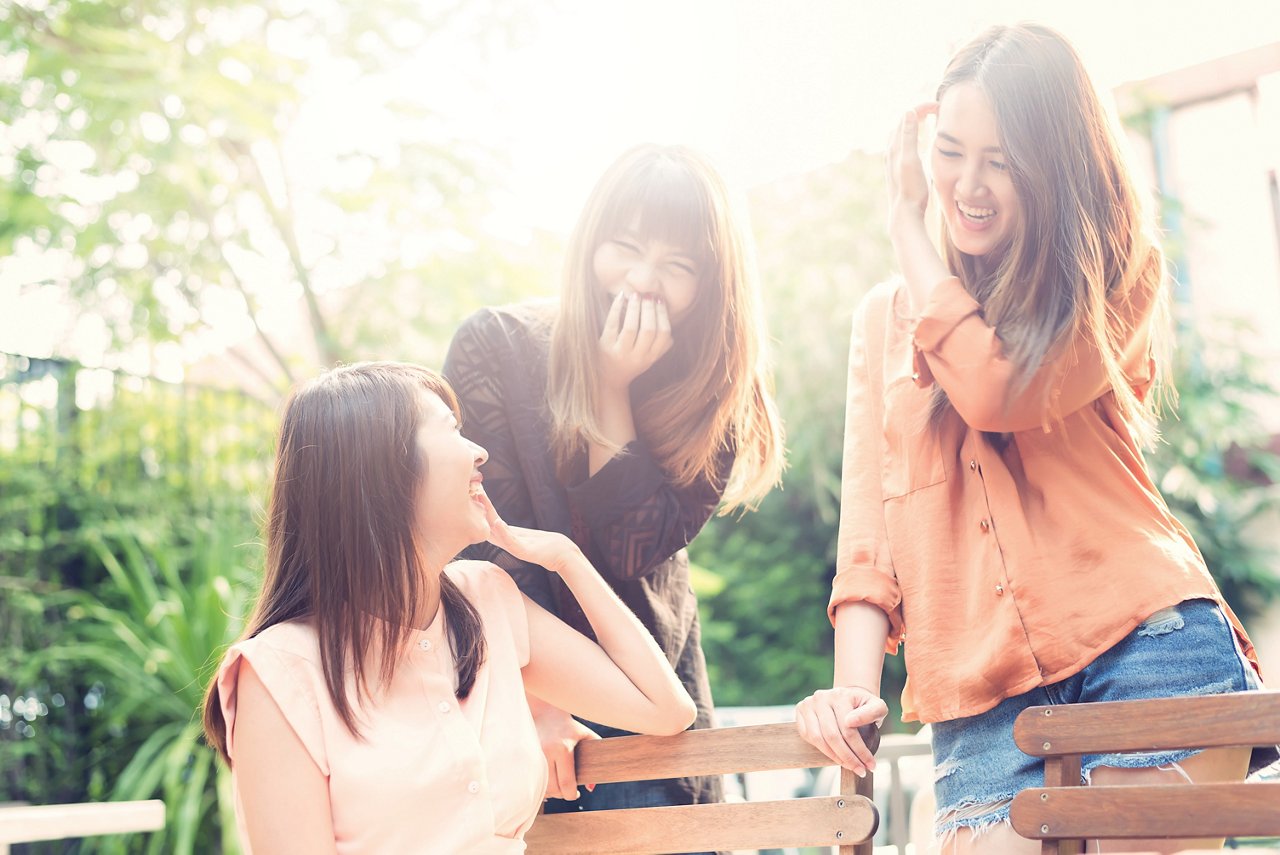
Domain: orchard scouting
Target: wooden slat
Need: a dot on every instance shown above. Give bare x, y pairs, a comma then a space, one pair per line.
1062, 772
1214, 721
1173, 811
755, 748
830, 821
30, 823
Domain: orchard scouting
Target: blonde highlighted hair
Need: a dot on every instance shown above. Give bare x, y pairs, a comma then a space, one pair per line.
724, 400
1085, 243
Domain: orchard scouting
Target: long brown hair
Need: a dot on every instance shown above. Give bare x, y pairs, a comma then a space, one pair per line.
1084, 244
724, 400
342, 543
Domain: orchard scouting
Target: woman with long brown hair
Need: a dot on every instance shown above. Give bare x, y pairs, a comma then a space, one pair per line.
624, 414
376, 701
996, 512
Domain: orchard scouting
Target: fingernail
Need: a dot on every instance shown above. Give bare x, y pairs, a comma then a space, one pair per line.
591, 788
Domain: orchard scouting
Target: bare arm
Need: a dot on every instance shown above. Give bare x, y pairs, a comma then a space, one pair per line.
284, 793
624, 681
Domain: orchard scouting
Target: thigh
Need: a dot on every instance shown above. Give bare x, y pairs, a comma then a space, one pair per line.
1211, 766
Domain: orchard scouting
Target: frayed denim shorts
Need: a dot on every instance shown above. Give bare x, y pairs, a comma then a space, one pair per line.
1187, 649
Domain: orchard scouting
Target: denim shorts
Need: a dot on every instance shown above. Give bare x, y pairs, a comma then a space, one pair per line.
1187, 649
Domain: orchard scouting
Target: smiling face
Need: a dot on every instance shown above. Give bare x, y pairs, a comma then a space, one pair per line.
971, 174
649, 268
449, 512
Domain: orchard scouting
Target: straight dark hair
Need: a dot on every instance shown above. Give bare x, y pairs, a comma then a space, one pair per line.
341, 537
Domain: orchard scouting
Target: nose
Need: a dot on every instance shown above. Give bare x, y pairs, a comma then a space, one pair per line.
641, 277
481, 455
970, 184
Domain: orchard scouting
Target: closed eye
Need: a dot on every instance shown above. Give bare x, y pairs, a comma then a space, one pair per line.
626, 245
999, 165
948, 153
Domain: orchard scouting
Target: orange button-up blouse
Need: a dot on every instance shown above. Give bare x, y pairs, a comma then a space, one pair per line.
1002, 565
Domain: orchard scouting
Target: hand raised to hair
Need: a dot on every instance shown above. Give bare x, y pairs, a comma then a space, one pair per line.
908, 186
637, 332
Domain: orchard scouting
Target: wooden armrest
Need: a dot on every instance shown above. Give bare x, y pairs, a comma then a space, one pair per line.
1178, 810
30, 823
1211, 721
754, 748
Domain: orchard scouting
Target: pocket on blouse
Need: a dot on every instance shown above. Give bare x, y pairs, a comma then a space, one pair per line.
912, 456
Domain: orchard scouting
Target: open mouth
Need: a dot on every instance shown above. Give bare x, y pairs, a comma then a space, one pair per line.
975, 215
475, 491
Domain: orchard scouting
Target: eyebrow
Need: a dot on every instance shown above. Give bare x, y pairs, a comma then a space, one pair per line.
954, 141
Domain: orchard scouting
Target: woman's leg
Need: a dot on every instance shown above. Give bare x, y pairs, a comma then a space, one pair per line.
1214, 765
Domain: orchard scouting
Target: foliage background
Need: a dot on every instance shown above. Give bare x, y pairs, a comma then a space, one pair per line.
147, 152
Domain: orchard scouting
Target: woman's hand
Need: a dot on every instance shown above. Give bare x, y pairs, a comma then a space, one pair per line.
908, 186
637, 332
829, 720
559, 734
551, 549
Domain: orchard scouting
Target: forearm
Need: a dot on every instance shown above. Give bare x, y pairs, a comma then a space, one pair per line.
622, 636
861, 632
922, 268
613, 414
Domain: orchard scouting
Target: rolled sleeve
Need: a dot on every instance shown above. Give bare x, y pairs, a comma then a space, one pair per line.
864, 570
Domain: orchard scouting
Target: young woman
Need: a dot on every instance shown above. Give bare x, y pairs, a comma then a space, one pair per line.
624, 414
996, 509
376, 702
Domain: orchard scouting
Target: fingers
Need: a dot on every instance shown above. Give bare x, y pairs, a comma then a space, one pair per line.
564, 775
927, 108
630, 322
829, 720
613, 321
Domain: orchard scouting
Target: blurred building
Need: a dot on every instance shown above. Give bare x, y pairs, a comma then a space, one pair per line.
1208, 137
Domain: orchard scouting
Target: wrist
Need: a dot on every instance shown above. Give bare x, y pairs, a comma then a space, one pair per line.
907, 223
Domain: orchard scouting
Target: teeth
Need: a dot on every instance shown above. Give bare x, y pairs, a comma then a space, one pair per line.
975, 213
474, 490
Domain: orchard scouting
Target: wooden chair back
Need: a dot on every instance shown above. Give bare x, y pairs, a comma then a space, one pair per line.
1064, 814
847, 820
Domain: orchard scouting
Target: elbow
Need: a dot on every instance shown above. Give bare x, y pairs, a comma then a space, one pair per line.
681, 715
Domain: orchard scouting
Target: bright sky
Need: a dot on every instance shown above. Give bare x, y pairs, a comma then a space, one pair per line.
766, 88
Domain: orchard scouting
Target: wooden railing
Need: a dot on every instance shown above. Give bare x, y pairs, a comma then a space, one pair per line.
1063, 814
847, 820
32, 823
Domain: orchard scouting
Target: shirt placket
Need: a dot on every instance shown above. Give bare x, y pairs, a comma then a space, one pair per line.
469, 774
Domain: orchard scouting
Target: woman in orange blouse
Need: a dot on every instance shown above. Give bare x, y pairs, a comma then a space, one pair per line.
376, 702
995, 508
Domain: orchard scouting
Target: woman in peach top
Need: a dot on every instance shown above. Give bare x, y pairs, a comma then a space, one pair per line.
376, 702
996, 513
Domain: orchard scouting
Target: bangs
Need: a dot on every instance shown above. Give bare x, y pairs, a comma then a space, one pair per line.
662, 200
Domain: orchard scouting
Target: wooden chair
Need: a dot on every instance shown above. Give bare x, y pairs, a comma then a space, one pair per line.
31, 823
1064, 814
847, 820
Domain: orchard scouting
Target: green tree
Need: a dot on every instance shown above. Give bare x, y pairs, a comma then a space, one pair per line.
151, 156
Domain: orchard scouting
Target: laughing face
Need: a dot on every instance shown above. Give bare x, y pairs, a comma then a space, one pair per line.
449, 508
971, 174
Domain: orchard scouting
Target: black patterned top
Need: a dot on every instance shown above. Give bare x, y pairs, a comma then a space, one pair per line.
629, 520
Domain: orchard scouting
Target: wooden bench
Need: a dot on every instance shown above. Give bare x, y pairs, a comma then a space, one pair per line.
1064, 814
847, 820
31, 823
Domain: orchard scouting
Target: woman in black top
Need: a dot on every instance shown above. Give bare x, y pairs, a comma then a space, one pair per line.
625, 413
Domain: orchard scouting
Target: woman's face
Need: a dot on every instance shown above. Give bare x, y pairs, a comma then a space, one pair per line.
450, 513
971, 174
625, 262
